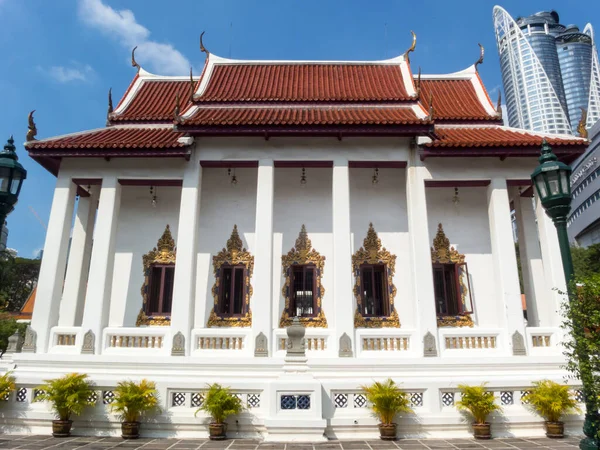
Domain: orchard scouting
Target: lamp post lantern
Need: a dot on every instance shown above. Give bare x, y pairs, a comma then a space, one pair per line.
552, 182
12, 175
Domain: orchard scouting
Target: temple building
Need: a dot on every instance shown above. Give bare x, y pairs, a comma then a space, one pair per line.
369, 200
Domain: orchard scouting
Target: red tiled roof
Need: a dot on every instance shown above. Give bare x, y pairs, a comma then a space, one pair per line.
310, 82
494, 136
154, 101
303, 115
454, 100
114, 138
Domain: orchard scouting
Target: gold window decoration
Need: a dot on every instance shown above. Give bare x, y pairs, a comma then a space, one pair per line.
303, 254
163, 254
442, 254
372, 253
234, 254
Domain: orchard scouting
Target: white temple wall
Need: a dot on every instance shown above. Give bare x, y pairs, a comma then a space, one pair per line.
384, 204
467, 226
140, 226
222, 206
294, 206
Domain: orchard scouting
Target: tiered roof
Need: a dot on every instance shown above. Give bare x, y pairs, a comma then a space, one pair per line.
451, 114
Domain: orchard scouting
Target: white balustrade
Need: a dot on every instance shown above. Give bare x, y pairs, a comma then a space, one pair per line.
544, 340
216, 341
375, 342
135, 340
64, 339
317, 342
467, 340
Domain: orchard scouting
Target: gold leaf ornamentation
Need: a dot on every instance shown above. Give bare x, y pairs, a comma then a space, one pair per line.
372, 252
303, 253
233, 254
455, 321
163, 253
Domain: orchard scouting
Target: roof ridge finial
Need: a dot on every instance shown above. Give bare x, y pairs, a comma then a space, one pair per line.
192, 87
176, 113
431, 106
499, 104
412, 47
418, 86
133, 61
581, 129
31, 128
202, 48
481, 55
110, 107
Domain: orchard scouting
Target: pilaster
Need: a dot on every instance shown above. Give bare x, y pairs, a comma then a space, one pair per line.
52, 270
262, 298
182, 314
97, 299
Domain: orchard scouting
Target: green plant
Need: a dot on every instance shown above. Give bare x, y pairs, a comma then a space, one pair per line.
478, 402
69, 394
387, 400
550, 400
132, 400
7, 385
220, 403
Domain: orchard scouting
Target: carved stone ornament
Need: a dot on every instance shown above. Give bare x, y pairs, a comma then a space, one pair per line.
429, 347
178, 347
518, 344
345, 346
296, 344
373, 253
261, 348
29, 345
15, 343
163, 253
88, 343
233, 254
443, 253
303, 253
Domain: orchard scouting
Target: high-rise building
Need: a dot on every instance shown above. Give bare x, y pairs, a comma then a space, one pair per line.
550, 72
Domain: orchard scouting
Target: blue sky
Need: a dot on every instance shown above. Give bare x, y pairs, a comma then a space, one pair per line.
61, 56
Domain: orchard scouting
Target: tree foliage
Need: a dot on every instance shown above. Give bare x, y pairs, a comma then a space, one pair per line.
478, 402
8, 326
387, 400
550, 400
132, 400
17, 279
586, 261
220, 403
69, 394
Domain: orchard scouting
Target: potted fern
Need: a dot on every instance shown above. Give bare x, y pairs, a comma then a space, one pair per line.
219, 404
386, 400
479, 403
551, 401
133, 400
69, 396
7, 385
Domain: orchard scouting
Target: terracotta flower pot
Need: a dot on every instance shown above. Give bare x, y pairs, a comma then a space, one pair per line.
130, 430
217, 431
555, 430
482, 431
61, 428
387, 431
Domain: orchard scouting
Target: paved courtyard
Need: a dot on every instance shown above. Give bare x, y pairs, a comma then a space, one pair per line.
99, 443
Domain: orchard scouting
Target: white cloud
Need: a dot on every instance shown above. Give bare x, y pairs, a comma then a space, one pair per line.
123, 27
64, 74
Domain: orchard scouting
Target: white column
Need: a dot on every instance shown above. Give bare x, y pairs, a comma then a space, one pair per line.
418, 229
506, 273
342, 253
71, 305
182, 314
262, 279
52, 271
553, 269
97, 299
532, 268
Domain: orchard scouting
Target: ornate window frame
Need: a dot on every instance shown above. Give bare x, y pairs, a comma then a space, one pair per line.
233, 254
164, 253
303, 253
372, 253
443, 253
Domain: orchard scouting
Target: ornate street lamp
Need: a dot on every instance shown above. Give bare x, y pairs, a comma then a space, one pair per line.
12, 175
552, 182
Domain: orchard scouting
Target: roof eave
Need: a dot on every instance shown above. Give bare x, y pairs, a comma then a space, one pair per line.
566, 153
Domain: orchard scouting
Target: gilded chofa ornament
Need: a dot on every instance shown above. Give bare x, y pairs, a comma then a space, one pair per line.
443, 253
232, 255
373, 253
163, 253
31, 128
303, 253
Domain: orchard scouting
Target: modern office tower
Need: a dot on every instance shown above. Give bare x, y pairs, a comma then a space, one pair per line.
549, 71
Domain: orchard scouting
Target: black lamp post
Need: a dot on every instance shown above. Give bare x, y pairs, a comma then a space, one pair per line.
12, 175
552, 182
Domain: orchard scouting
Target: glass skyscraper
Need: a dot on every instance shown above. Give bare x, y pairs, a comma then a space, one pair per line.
549, 71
